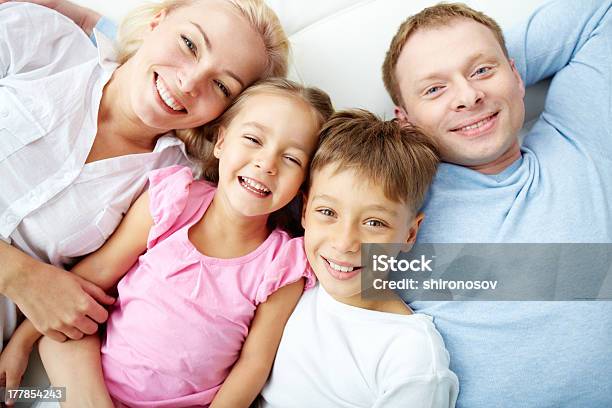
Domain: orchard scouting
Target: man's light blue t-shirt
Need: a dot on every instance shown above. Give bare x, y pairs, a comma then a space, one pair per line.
538, 354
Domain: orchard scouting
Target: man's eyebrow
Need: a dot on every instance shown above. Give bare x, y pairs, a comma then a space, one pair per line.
209, 47
438, 75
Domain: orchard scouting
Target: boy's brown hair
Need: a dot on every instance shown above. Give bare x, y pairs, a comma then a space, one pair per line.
439, 15
401, 159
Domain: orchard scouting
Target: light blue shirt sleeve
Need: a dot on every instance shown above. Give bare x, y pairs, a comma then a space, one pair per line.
107, 27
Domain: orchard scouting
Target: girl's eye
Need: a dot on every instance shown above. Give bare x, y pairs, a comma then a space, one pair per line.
326, 212
189, 44
251, 139
224, 89
294, 160
375, 223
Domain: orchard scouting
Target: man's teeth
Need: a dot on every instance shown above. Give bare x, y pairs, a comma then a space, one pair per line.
476, 125
341, 268
260, 188
166, 96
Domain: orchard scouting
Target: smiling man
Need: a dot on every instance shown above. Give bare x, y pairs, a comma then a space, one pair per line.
449, 72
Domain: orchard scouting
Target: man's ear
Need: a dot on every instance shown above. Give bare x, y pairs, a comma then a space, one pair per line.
413, 231
157, 18
219, 143
517, 75
401, 115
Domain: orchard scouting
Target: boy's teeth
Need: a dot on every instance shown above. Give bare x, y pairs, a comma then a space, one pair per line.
256, 185
341, 268
166, 97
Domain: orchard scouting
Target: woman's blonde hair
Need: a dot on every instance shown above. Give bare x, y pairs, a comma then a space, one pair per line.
261, 17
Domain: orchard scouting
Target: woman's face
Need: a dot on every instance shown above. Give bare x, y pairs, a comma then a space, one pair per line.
194, 60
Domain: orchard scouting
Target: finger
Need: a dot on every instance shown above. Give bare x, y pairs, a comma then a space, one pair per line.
97, 293
72, 332
55, 335
96, 312
86, 325
12, 383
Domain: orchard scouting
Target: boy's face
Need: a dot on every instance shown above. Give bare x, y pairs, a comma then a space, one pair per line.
342, 211
459, 87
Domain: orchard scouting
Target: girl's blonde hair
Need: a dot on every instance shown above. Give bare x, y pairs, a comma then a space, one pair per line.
261, 17
202, 148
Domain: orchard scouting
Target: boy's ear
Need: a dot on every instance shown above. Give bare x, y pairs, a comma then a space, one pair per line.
304, 203
157, 18
413, 231
219, 142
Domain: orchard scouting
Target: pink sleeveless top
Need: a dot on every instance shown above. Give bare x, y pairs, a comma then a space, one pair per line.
181, 317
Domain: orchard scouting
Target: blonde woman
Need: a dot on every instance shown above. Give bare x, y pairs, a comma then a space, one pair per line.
80, 128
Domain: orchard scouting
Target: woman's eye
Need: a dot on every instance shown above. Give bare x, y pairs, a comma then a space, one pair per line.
189, 44
224, 89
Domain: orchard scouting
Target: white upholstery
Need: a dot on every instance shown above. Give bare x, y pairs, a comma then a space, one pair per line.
339, 45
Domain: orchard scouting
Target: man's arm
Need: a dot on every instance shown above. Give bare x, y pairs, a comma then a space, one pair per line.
553, 35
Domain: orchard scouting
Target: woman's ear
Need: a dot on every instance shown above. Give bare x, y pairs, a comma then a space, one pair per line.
219, 142
157, 18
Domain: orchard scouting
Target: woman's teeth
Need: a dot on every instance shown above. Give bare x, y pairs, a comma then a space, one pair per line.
254, 186
166, 96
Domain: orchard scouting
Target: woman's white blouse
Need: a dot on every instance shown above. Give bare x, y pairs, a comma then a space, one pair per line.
53, 206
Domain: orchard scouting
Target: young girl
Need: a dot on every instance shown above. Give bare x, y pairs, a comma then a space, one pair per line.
200, 314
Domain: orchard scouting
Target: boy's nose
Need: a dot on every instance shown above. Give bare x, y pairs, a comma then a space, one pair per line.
346, 239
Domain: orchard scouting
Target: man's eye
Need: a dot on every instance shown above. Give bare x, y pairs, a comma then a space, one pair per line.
482, 70
432, 90
224, 89
189, 44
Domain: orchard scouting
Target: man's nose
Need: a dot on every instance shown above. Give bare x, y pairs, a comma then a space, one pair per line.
466, 95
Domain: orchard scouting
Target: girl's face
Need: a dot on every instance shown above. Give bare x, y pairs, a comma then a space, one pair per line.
194, 60
264, 153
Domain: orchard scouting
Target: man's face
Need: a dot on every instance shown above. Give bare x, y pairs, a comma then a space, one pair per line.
458, 86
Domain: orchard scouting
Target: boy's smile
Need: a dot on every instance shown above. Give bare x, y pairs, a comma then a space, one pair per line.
344, 209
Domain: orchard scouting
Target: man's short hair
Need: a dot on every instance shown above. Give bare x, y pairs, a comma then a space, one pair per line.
435, 16
400, 159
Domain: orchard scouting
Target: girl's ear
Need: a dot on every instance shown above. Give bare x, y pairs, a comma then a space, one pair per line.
219, 142
157, 18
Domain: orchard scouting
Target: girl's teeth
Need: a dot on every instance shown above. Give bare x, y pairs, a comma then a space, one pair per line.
341, 268
256, 185
166, 97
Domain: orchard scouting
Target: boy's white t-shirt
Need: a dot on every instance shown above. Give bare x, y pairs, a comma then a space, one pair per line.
335, 355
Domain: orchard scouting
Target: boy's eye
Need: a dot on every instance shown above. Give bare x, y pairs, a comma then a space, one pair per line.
189, 44
375, 223
224, 89
326, 212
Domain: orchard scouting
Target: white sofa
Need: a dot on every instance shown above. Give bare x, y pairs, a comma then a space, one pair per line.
339, 46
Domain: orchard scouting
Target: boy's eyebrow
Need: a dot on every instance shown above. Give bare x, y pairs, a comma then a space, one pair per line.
381, 208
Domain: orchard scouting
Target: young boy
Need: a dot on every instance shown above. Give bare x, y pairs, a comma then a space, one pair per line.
339, 349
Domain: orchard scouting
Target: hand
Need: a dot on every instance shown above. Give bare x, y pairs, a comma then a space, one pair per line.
58, 303
82, 16
13, 364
